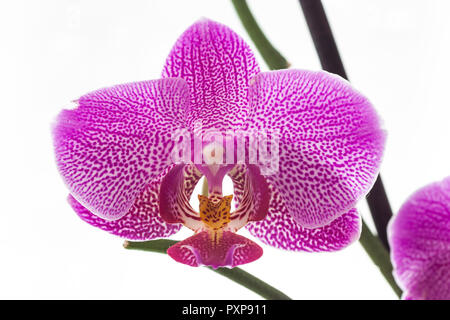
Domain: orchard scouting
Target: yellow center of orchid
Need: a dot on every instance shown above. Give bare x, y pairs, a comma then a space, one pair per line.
215, 214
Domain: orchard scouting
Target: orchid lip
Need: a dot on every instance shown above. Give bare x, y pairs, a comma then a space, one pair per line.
230, 251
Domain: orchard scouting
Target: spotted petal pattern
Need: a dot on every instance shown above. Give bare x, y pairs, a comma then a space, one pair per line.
217, 65
176, 190
419, 237
330, 143
281, 231
142, 221
117, 140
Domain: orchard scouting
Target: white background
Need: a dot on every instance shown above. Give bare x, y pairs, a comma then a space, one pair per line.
396, 52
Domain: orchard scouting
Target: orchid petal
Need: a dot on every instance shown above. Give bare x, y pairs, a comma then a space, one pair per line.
330, 144
419, 236
176, 190
252, 195
281, 231
117, 140
217, 65
231, 250
142, 221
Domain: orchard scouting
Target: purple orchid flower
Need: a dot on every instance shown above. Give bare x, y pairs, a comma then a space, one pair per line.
115, 153
419, 236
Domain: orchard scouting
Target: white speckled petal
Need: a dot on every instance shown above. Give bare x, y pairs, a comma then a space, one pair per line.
280, 230
142, 221
217, 65
330, 144
117, 140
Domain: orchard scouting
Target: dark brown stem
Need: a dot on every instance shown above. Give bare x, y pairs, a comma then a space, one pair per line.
330, 60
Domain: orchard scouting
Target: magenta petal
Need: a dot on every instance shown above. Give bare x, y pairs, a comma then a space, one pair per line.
217, 65
419, 236
280, 230
230, 251
330, 145
142, 222
117, 140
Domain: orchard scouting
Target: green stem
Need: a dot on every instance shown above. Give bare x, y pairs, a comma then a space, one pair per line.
270, 55
379, 255
371, 243
236, 274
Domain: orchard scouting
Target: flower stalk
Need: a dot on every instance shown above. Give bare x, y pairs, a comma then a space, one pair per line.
237, 275
270, 55
379, 255
376, 247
